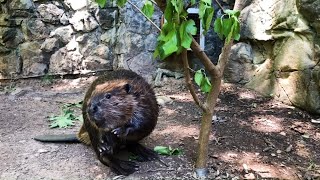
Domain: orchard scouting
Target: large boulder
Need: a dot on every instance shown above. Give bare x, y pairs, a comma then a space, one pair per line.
285, 58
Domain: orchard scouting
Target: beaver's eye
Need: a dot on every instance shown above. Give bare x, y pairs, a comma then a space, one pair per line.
108, 96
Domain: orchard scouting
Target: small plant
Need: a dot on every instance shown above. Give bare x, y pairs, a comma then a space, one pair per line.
47, 79
10, 88
168, 151
67, 116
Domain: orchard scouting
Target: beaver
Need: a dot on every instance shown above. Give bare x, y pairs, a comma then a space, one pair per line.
119, 110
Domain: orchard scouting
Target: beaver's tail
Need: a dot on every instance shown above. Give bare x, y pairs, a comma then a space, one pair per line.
62, 138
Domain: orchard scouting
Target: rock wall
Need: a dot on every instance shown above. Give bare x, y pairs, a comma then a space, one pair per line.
67, 37
279, 53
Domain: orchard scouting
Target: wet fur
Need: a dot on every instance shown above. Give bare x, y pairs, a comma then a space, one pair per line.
119, 110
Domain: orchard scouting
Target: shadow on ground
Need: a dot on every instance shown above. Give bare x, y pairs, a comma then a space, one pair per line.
252, 137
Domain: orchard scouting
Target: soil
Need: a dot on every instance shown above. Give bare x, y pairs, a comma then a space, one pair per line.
252, 137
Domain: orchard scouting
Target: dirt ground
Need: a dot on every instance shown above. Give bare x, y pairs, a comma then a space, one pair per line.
252, 137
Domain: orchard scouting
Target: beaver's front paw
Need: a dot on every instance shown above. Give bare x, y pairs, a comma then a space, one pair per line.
122, 132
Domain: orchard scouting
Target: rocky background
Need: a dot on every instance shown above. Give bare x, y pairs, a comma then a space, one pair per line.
75, 36
279, 54
70, 37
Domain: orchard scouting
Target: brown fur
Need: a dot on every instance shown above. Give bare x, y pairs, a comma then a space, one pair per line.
119, 109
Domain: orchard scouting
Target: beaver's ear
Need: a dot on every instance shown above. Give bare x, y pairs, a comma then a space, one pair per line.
127, 88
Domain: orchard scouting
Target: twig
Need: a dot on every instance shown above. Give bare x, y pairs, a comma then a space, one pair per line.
219, 5
204, 59
144, 15
188, 80
224, 56
191, 70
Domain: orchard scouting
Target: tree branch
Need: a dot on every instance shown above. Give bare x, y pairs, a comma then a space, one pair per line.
204, 59
224, 56
184, 56
144, 15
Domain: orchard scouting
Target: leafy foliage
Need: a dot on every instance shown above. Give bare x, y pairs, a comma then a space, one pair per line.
102, 3
202, 81
148, 9
228, 25
67, 116
163, 150
47, 79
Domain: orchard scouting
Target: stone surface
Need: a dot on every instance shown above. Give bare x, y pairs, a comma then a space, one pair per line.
310, 9
11, 37
143, 63
285, 59
21, 4
65, 62
31, 56
107, 18
35, 29
50, 13
97, 63
51, 45
77, 5
64, 33
10, 65
240, 61
83, 21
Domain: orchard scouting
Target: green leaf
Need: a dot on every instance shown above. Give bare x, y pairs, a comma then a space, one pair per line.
187, 29
232, 12
168, 12
171, 44
148, 9
176, 151
202, 9
198, 77
230, 34
101, 3
236, 30
121, 3
218, 27
162, 150
192, 2
206, 85
207, 18
61, 121
208, 2
226, 26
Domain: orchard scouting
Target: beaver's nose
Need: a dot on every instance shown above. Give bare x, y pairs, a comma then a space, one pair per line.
93, 108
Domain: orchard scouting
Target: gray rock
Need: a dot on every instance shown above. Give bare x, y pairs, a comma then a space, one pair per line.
88, 42
102, 51
11, 37
83, 21
50, 13
107, 18
65, 62
286, 68
240, 64
109, 37
51, 45
35, 29
31, 55
21, 4
142, 63
64, 33
258, 20
77, 5
4, 50
10, 65
97, 63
